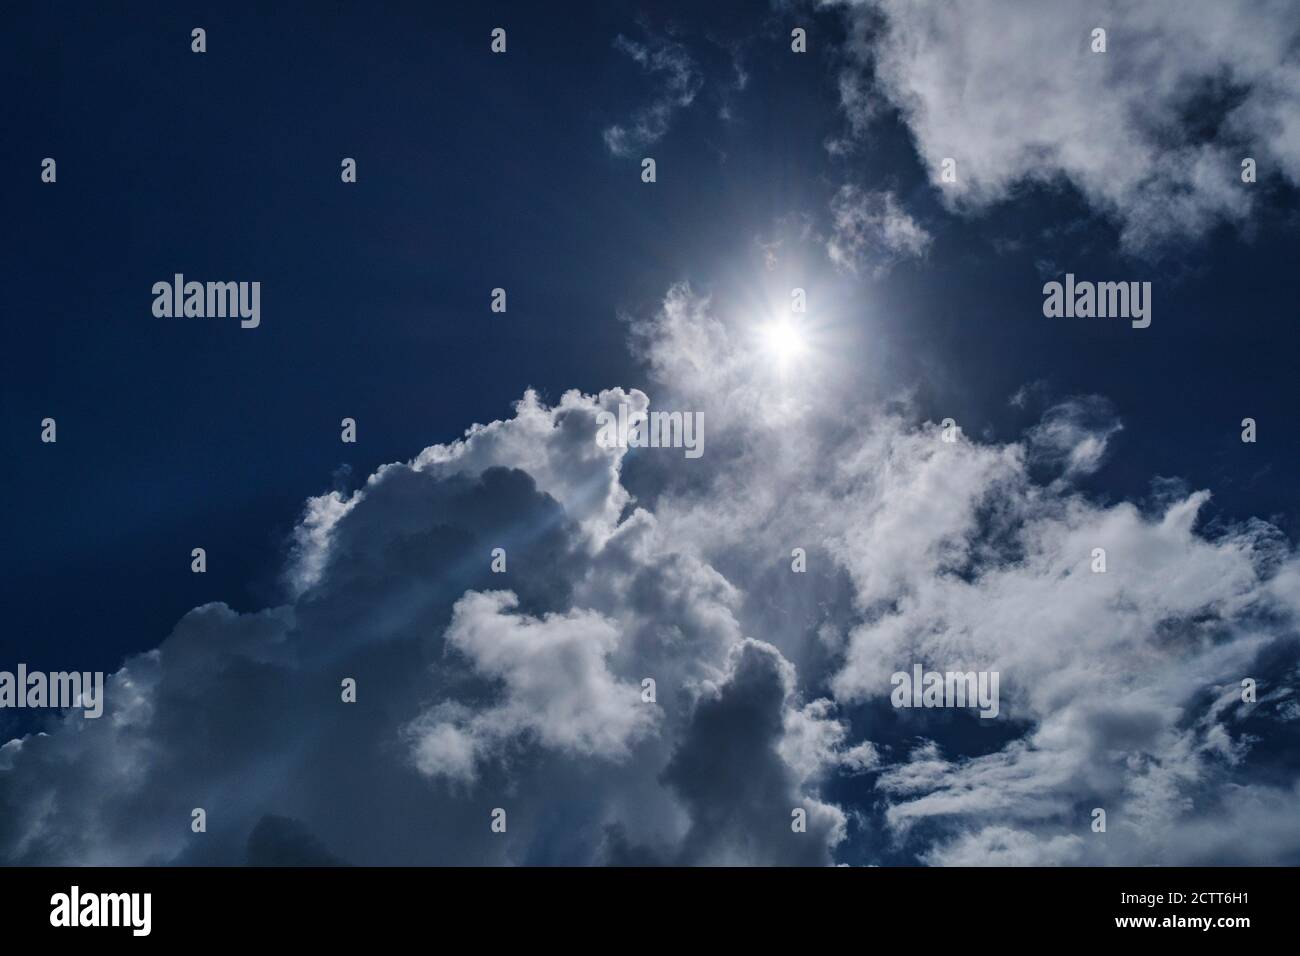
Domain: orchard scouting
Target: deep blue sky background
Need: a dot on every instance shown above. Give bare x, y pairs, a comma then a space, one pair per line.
478, 171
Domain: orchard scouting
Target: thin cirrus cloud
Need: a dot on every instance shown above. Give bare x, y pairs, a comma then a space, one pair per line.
678, 82
871, 231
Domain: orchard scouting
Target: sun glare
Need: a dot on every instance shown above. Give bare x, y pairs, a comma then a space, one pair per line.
783, 342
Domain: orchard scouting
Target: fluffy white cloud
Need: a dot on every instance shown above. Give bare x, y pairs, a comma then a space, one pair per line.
474, 689
552, 445
1152, 132
557, 687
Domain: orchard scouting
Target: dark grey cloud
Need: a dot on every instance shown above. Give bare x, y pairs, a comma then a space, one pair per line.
730, 773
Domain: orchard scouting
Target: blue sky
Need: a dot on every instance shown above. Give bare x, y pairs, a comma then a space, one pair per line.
775, 170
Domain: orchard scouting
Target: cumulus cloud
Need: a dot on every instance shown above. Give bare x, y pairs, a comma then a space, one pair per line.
730, 772
522, 689
1152, 132
679, 83
557, 688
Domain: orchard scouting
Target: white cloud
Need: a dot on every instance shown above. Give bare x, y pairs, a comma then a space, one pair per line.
556, 686
554, 446
1152, 132
815, 742
870, 231
956, 557
1003, 846
1074, 434
528, 697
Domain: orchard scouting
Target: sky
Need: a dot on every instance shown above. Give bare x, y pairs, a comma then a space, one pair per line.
966, 546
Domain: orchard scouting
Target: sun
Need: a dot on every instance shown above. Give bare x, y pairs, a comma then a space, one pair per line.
783, 341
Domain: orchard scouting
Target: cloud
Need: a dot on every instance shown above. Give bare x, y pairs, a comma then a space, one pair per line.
871, 231
1074, 434
557, 688
730, 772
1108, 674
1003, 846
1119, 689
814, 742
521, 690
1152, 132
680, 81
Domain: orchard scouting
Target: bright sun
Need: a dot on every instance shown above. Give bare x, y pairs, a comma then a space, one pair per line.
783, 341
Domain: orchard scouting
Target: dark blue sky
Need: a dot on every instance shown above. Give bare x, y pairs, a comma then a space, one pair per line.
478, 171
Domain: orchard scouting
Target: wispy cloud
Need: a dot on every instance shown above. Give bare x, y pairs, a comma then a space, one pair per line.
871, 231
678, 83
